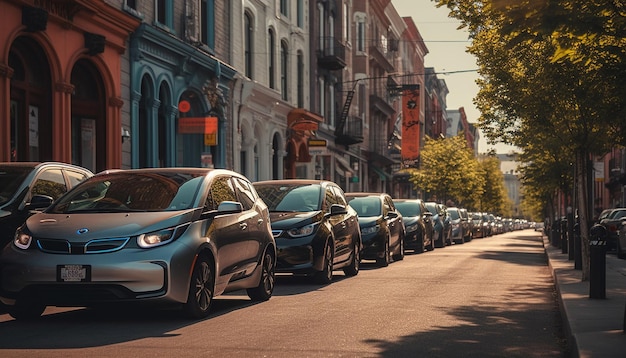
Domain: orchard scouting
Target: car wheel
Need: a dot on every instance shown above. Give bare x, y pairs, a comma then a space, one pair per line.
325, 276
201, 288
441, 241
26, 309
400, 255
384, 261
353, 268
264, 290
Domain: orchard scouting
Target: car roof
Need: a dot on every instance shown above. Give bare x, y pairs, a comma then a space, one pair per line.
366, 194
296, 182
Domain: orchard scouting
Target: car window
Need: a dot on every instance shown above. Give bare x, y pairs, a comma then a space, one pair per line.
49, 182
329, 199
340, 196
245, 193
221, 190
408, 209
75, 177
10, 180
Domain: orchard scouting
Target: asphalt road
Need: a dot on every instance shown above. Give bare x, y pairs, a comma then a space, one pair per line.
491, 297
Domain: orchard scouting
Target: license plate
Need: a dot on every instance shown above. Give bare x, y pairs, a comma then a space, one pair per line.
73, 273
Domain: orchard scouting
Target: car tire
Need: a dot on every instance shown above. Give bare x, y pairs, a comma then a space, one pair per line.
325, 276
386, 259
201, 286
264, 290
353, 268
26, 310
400, 255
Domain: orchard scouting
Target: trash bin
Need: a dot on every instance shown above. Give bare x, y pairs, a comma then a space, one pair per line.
597, 261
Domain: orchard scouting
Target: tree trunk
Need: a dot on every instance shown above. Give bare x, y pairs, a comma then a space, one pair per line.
582, 170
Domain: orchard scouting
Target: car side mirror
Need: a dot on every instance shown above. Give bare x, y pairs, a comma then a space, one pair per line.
337, 209
38, 202
229, 207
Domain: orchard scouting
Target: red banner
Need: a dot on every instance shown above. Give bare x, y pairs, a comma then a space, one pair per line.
410, 127
197, 125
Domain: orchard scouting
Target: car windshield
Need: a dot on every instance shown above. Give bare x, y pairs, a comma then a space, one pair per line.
454, 214
10, 180
125, 192
408, 209
290, 197
365, 206
617, 214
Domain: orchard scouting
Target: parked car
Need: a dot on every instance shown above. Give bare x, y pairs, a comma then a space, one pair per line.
458, 227
467, 223
382, 227
612, 222
179, 236
441, 224
621, 241
27, 187
480, 225
316, 231
418, 224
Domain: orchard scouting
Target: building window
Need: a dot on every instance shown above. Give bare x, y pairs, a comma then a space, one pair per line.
284, 64
248, 40
271, 39
331, 105
284, 7
207, 22
300, 79
300, 14
360, 33
132, 4
346, 22
321, 85
321, 25
164, 12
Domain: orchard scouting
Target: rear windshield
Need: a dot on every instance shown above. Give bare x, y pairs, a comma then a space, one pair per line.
10, 180
124, 192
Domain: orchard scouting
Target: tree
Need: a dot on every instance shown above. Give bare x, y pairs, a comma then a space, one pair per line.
494, 198
551, 74
449, 171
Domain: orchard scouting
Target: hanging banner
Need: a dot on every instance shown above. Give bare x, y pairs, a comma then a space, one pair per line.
410, 127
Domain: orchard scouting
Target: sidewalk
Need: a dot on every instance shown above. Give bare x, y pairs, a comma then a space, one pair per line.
593, 327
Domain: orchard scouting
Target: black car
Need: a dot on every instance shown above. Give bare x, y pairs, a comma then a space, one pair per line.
418, 224
26, 187
316, 231
382, 227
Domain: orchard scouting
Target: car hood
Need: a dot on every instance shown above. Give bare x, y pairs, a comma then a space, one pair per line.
88, 226
369, 220
282, 220
410, 220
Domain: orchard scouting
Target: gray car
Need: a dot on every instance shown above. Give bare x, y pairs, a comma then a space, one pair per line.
177, 236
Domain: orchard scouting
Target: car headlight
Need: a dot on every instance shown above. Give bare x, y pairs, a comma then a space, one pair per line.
302, 231
411, 228
369, 230
22, 239
161, 237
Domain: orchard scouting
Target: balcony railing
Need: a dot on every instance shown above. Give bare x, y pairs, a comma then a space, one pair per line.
352, 132
331, 54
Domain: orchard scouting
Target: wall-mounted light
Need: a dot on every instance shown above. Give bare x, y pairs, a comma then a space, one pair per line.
125, 134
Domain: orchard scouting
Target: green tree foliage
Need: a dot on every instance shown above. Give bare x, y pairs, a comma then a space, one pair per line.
449, 171
495, 197
552, 75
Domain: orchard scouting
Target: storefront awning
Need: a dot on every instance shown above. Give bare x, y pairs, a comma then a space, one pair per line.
342, 166
300, 119
381, 174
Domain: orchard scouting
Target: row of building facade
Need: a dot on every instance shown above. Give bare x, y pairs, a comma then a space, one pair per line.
270, 88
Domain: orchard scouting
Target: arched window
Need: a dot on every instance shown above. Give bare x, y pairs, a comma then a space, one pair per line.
284, 70
248, 41
271, 58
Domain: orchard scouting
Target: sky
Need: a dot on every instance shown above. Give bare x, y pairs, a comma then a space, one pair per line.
447, 55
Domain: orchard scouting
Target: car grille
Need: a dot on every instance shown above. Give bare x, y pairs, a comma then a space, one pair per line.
98, 246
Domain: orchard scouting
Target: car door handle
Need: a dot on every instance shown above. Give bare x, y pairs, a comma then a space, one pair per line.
243, 226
